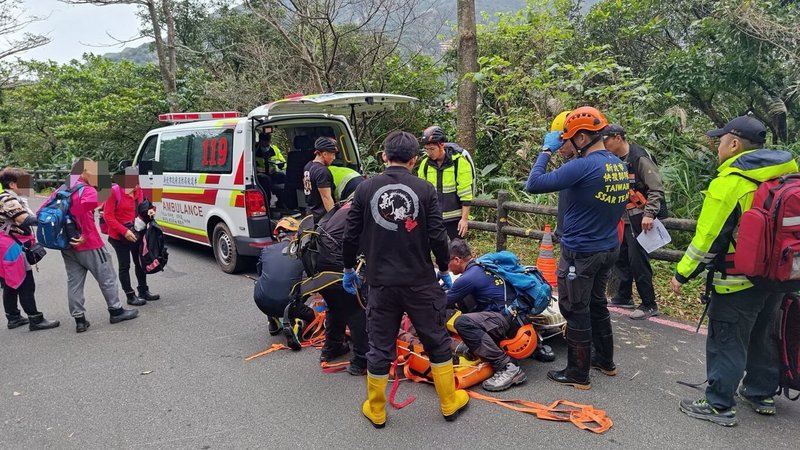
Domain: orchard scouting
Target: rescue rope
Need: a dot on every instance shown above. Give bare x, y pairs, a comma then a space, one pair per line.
396, 385
585, 417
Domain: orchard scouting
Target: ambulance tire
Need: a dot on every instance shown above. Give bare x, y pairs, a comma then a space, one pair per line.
225, 251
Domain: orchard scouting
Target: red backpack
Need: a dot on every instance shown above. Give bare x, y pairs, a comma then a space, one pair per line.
768, 244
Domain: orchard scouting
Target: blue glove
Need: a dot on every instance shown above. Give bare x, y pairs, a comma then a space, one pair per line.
552, 141
446, 279
351, 281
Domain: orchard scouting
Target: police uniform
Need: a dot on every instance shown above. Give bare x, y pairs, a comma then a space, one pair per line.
396, 218
740, 315
453, 183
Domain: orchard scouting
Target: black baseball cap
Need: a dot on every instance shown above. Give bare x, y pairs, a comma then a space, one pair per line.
745, 127
326, 144
614, 129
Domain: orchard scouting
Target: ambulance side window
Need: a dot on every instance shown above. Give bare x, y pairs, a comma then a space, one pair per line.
174, 154
148, 152
212, 151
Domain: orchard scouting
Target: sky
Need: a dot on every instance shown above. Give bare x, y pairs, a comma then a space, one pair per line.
79, 29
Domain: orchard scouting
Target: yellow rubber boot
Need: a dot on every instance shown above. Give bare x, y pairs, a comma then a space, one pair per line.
452, 400
374, 408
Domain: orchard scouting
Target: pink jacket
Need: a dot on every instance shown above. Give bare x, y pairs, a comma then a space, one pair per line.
83, 204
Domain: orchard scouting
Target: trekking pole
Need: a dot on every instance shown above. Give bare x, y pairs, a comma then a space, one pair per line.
705, 297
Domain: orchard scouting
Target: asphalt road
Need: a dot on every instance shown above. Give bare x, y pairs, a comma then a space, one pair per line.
176, 378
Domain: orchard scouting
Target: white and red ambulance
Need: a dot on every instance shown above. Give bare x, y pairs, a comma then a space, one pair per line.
201, 171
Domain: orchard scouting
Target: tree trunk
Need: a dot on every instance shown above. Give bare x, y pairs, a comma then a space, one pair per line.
165, 52
467, 65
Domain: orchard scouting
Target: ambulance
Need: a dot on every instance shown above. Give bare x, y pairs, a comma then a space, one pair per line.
201, 171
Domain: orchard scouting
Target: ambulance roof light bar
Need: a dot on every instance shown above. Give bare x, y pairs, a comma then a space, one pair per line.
195, 116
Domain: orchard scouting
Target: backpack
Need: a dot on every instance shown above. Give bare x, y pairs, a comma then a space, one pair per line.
117, 193
532, 290
455, 149
767, 249
56, 226
789, 339
153, 254
638, 186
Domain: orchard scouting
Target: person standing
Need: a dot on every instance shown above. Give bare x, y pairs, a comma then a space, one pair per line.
317, 179
646, 203
595, 190
450, 172
396, 221
16, 219
88, 253
740, 315
119, 212
345, 182
567, 152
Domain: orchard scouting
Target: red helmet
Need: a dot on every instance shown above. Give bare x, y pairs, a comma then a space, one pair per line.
584, 118
522, 344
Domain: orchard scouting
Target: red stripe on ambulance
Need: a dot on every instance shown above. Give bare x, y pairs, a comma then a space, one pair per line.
208, 197
239, 178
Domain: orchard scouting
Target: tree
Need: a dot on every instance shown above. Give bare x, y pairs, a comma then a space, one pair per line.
160, 14
13, 22
467, 67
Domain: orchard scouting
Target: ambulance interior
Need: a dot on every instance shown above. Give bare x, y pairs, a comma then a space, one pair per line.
295, 141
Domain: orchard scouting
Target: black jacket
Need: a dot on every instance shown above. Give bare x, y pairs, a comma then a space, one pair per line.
396, 218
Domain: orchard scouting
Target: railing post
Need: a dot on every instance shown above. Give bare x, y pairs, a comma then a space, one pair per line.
502, 219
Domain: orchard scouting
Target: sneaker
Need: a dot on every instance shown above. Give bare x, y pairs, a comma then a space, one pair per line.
626, 303
505, 378
328, 354
544, 353
357, 367
463, 351
644, 312
765, 406
700, 409
275, 326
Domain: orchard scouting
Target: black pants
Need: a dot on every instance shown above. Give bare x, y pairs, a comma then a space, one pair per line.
633, 264
481, 331
344, 311
125, 251
452, 229
425, 306
582, 301
24, 293
740, 339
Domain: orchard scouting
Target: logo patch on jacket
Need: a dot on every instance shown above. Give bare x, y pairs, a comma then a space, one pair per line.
393, 205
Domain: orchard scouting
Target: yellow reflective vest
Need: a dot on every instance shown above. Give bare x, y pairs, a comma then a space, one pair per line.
728, 196
454, 188
341, 176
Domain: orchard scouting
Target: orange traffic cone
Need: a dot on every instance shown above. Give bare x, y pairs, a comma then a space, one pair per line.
546, 262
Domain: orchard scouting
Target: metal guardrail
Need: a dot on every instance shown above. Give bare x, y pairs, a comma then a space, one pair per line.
503, 229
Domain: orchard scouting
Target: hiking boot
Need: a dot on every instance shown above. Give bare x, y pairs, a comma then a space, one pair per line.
292, 341
357, 367
145, 294
275, 326
133, 300
544, 353
700, 409
504, 379
16, 320
330, 353
81, 324
463, 351
121, 314
764, 406
643, 312
626, 303
38, 322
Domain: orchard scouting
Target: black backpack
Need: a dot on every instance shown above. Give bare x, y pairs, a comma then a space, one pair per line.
153, 253
790, 346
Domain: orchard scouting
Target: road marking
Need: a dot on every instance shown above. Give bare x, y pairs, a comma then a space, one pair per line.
662, 321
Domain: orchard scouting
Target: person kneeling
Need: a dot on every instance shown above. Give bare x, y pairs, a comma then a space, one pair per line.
487, 323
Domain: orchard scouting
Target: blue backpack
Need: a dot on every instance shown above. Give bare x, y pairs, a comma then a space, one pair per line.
533, 292
56, 227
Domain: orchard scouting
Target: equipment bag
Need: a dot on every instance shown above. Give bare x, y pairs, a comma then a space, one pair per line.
790, 346
768, 247
56, 226
532, 290
153, 254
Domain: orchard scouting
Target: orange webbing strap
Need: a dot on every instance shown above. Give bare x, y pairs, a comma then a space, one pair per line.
273, 348
396, 385
585, 417
333, 367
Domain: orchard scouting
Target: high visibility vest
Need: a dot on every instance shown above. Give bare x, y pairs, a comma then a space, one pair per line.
341, 176
453, 183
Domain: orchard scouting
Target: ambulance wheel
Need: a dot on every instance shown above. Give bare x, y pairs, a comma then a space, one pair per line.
225, 251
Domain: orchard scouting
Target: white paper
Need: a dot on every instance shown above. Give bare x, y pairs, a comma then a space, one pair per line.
654, 239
